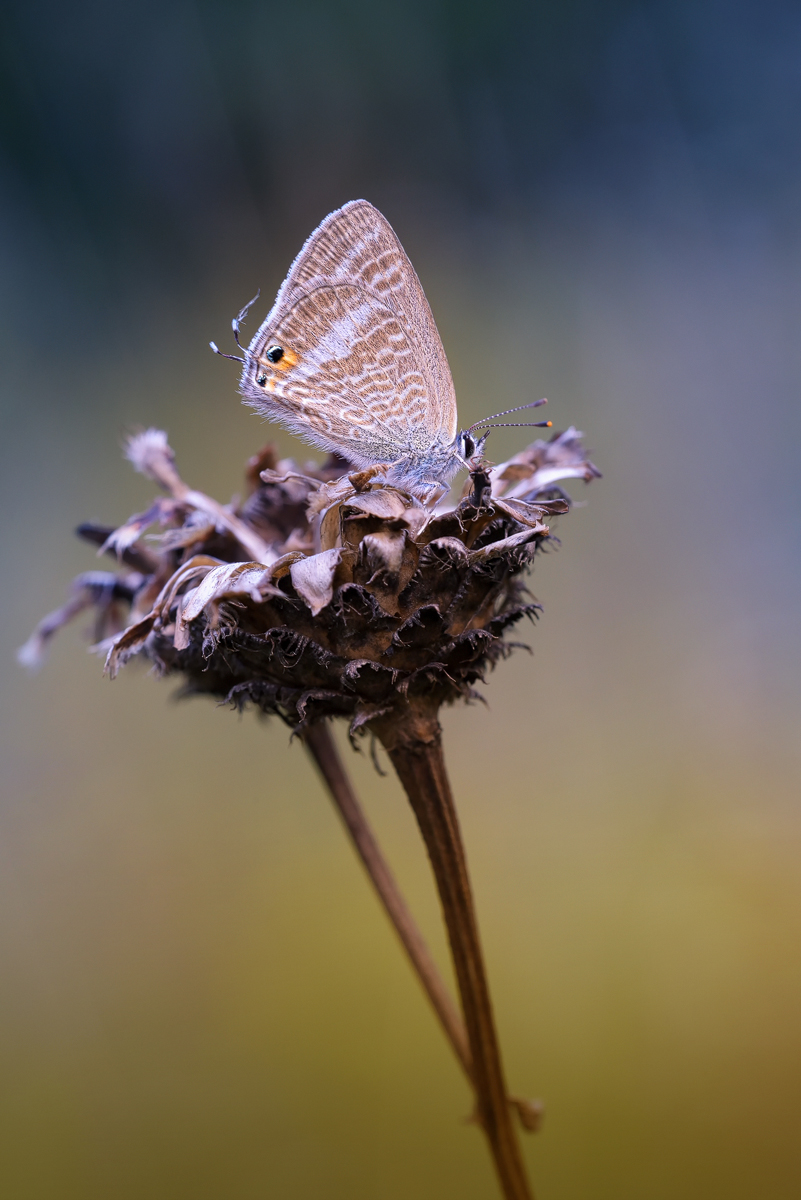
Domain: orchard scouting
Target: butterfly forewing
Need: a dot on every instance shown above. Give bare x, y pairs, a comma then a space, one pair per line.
363, 366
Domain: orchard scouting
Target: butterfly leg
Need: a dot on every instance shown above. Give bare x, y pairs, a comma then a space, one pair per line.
431, 491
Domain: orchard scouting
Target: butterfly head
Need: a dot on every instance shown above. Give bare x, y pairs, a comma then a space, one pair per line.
469, 446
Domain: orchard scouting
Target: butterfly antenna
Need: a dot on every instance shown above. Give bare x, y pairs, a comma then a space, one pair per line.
233, 357
240, 317
507, 411
235, 326
516, 425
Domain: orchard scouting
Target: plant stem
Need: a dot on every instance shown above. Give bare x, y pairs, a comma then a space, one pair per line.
413, 740
322, 748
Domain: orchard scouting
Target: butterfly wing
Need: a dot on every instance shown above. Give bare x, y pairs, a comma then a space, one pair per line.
362, 367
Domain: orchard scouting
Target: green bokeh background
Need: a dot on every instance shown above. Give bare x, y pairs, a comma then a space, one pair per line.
200, 996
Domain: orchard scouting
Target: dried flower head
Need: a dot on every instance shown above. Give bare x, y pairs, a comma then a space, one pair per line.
350, 599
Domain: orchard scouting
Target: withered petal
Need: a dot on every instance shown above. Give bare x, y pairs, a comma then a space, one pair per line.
137, 556
92, 589
502, 547
182, 637
543, 463
313, 578
385, 502
530, 514
162, 509
129, 643
330, 527
369, 679
282, 565
190, 533
423, 628
329, 493
364, 714
32, 653
196, 568
221, 583
383, 552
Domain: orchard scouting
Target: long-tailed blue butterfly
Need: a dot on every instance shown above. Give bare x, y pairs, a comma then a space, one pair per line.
350, 359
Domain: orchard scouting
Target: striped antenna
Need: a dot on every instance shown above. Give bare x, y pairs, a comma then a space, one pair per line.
507, 411
516, 425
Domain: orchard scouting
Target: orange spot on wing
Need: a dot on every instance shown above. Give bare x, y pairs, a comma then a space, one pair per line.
288, 360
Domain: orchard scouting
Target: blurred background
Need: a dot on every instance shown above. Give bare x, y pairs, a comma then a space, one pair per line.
200, 996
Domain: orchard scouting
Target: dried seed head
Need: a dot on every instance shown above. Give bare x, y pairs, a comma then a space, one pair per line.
360, 599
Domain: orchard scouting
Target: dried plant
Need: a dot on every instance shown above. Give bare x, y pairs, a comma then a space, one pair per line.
330, 593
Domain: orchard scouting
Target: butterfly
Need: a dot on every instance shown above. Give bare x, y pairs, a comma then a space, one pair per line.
349, 358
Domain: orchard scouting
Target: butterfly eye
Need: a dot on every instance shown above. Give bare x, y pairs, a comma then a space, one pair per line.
261, 379
275, 354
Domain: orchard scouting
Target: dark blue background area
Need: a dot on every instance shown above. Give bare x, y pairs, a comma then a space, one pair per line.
136, 127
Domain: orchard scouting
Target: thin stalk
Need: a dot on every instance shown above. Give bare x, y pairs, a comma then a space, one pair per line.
414, 743
322, 748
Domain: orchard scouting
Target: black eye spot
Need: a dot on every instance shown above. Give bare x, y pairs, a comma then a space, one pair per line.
261, 379
275, 354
